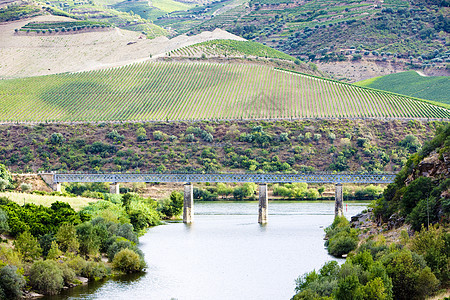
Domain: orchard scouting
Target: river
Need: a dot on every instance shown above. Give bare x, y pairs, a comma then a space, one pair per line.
226, 255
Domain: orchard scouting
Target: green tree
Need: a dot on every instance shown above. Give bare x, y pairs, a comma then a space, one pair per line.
174, 207
89, 240
28, 246
4, 227
5, 177
54, 251
11, 283
67, 238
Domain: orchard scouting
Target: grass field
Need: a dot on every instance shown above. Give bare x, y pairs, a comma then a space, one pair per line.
410, 83
198, 91
76, 203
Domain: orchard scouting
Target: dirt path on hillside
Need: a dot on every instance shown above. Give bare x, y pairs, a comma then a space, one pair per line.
31, 54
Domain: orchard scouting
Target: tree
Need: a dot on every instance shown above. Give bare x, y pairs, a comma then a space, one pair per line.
67, 238
28, 246
174, 207
54, 251
5, 177
4, 227
11, 283
89, 241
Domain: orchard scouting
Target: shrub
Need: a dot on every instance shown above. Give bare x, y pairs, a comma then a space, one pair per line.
3, 184
28, 246
158, 135
9, 256
189, 137
11, 283
119, 244
95, 270
342, 244
56, 138
68, 273
25, 187
77, 264
128, 261
46, 277
411, 143
115, 136
284, 136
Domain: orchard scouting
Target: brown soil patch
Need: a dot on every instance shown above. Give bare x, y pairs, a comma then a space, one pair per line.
26, 55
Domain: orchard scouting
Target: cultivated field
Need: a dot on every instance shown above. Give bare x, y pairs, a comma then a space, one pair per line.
413, 84
196, 91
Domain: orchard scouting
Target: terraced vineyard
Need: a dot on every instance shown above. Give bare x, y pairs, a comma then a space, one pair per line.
193, 91
230, 48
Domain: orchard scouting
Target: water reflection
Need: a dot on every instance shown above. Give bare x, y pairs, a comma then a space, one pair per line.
225, 254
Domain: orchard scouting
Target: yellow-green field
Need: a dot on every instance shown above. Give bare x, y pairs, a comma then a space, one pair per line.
199, 91
76, 203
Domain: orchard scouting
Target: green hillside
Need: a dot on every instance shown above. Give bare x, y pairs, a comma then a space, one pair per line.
233, 48
198, 91
416, 31
412, 84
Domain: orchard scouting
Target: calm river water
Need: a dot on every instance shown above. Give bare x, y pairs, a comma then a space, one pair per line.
226, 255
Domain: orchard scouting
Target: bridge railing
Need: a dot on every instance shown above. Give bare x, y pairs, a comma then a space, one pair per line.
257, 178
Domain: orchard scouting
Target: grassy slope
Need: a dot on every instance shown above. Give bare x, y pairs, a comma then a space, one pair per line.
76, 203
412, 84
180, 91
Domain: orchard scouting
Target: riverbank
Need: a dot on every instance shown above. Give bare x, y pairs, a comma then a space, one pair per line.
225, 254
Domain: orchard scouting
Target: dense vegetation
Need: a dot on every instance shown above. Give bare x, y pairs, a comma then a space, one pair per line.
257, 146
180, 91
404, 270
16, 12
412, 267
415, 197
53, 245
86, 11
412, 84
411, 30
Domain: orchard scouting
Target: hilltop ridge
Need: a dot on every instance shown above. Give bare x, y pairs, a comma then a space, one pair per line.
25, 55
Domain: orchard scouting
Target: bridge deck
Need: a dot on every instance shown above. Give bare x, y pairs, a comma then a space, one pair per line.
257, 178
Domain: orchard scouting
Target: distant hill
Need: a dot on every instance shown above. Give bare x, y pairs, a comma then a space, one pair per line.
231, 48
398, 32
412, 84
198, 91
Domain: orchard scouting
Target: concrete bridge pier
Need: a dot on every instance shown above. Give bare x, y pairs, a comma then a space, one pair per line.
114, 188
263, 204
339, 200
49, 178
188, 203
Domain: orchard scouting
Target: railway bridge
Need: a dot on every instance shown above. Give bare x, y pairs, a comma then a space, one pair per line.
55, 180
